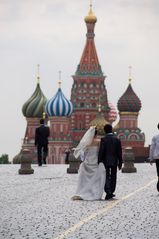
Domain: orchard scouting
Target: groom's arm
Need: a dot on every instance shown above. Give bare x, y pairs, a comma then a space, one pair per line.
101, 151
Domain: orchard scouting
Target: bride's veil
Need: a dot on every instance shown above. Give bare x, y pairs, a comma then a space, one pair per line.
85, 141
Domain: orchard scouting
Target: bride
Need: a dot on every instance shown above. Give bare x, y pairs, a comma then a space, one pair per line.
91, 179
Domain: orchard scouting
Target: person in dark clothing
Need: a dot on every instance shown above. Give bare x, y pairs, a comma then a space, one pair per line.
41, 141
67, 153
110, 154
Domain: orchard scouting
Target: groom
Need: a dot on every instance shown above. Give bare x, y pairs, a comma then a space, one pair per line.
110, 154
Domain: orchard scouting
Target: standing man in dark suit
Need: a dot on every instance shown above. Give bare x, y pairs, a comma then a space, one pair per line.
41, 141
110, 154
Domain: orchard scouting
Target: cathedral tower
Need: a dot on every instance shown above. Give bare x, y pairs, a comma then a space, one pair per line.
88, 85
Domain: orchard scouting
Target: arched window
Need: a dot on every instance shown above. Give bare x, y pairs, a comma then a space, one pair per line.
133, 137
121, 136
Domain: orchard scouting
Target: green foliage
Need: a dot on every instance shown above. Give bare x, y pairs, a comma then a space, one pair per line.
4, 159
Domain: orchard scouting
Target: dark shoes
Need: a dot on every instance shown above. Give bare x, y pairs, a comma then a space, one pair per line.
44, 162
76, 198
113, 195
109, 196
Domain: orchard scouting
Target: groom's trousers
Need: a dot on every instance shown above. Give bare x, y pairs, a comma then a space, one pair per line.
42, 153
111, 176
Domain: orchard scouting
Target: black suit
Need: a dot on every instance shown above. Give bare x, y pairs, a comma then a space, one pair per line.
110, 154
41, 141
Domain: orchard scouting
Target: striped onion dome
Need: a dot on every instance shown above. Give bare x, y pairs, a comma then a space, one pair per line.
112, 115
35, 105
59, 105
129, 101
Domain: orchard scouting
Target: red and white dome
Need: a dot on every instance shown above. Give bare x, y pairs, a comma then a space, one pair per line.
112, 115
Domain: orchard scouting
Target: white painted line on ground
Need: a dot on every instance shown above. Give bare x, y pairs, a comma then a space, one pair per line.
101, 211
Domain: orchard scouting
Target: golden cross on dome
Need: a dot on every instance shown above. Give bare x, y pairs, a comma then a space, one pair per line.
130, 69
59, 82
91, 6
38, 73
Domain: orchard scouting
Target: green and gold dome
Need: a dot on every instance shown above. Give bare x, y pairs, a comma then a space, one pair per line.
35, 105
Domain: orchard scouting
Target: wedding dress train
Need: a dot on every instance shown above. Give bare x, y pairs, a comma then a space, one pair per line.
92, 176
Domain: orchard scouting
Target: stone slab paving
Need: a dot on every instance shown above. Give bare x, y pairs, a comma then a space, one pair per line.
39, 206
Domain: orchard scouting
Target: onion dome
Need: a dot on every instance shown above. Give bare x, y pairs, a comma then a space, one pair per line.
91, 18
112, 115
129, 101
35, 105
99, 122
59, 105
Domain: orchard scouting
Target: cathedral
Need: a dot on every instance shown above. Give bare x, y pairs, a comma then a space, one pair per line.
69, 119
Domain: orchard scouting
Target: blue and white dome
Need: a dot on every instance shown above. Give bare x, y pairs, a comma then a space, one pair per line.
59, 105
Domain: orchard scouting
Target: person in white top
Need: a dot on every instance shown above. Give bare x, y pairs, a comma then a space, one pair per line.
154, 154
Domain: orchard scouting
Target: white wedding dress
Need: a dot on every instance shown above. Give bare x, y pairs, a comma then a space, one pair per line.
92, 176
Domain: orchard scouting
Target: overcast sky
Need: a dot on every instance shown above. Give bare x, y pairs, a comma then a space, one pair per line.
52, 33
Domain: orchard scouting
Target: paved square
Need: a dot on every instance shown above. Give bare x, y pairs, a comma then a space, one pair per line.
39, 206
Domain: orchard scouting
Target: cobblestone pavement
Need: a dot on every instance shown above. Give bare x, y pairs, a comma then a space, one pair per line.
39, 206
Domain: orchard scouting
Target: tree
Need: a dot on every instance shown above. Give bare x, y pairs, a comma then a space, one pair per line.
4, 159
